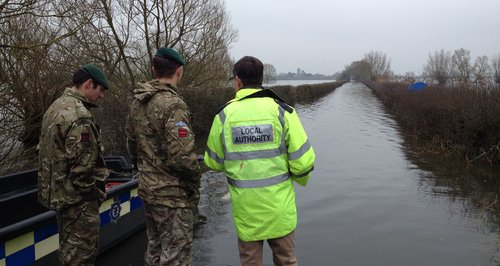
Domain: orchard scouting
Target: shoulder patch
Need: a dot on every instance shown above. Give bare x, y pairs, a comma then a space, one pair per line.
182, 132
182, 129
180, 124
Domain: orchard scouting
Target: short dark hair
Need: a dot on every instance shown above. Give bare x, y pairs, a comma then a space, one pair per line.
80, 76
164, 68
250, 70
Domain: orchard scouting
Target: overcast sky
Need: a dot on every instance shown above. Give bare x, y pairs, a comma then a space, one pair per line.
323, 36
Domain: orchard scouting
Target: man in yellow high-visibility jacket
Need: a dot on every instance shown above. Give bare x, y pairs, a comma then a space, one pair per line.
260, 144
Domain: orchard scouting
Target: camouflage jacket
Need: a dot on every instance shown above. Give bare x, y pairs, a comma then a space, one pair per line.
71, 168
161, 142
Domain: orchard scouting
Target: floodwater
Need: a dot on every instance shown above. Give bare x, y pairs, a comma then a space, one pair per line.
371, 200
297, 82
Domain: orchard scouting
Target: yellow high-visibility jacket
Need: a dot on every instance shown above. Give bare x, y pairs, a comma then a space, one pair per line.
262, 147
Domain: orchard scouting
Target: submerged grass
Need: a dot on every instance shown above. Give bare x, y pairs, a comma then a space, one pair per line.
462, 120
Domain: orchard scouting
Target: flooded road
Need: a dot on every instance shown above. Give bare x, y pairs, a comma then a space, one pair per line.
367, 203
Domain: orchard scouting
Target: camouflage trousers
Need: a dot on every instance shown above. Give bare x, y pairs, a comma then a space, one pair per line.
79, 233
170, 235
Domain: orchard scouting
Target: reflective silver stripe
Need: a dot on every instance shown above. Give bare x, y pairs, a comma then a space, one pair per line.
222, 116
214, 156
281, 117
304, 174
298, 153
250, 155
259, 182
223, 137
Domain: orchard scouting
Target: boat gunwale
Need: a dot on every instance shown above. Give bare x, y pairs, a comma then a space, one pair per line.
17, 229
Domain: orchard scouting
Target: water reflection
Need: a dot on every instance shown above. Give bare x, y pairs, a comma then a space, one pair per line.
209, 239
476, 187
215, 205
369, 204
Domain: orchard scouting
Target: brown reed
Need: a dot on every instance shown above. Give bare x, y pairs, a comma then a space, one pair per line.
462, 119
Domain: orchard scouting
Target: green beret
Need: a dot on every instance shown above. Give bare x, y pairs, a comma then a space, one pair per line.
96, 74
170, 53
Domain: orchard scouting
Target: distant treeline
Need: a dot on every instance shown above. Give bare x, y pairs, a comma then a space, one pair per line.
456, 120
305, 76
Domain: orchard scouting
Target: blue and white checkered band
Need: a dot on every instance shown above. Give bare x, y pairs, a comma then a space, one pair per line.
114, 213
34, 245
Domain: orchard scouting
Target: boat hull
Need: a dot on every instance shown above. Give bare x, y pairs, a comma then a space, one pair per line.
35, 240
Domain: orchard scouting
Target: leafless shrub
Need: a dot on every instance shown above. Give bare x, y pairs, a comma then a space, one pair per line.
380, 65
460, 120
311, 92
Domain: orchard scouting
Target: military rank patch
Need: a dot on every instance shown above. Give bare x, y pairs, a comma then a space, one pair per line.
182, 131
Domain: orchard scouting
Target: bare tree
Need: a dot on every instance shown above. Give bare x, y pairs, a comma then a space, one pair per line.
358, 70
461, 65
495, 64
438, 66
33, 71
43, 41
380, 65
200, 30
50, 12
481, 70
129, 33
409, 77
269, 73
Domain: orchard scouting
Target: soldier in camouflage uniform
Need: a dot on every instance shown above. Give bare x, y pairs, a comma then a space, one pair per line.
71, 169
161, 144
